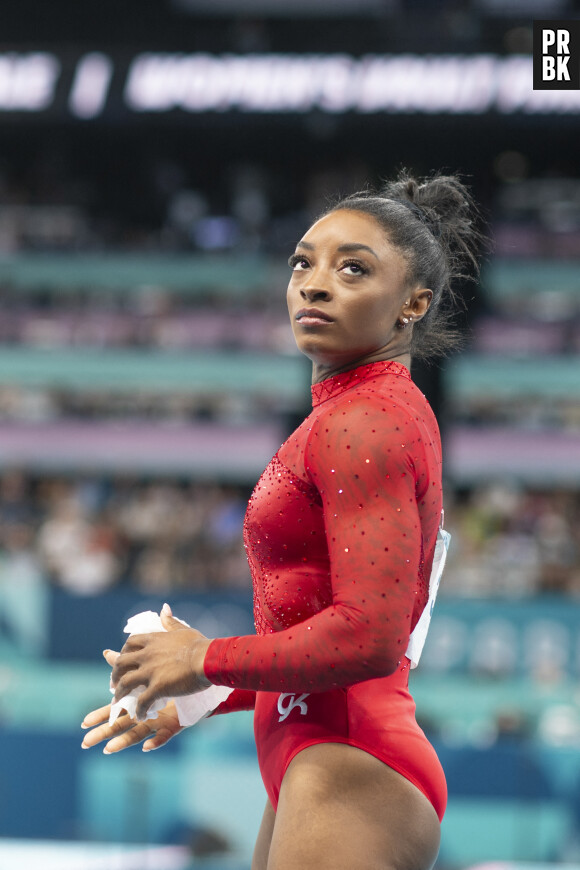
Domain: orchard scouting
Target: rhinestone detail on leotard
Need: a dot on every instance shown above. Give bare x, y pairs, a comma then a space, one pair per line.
340, 532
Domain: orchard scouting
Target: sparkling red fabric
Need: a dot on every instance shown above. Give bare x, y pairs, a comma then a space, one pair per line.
340, 532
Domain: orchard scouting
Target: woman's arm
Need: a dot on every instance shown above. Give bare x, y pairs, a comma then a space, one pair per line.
365, 471
367, 485
239, 699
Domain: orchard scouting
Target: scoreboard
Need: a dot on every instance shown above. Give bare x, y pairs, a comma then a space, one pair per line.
122, 85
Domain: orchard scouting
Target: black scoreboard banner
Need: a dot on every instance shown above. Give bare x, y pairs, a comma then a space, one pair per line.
99, 84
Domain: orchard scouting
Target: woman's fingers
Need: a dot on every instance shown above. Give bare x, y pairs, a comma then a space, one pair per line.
135, 734
126, 684
96, 717
167, 726
161, 665
146, 698
125, 732
158, 739
169, 621
125, 668
111, 656
104, 731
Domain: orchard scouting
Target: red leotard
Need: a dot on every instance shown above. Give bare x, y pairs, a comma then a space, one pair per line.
340, 533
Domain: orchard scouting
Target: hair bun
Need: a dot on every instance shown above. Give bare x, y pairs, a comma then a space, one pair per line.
446, 207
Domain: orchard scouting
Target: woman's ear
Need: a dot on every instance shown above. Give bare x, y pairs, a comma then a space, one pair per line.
417, 305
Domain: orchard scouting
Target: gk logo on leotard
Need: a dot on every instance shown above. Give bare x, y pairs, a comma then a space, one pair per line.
293, 702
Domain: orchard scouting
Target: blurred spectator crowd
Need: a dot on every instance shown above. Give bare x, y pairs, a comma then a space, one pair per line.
511, 541
536, 412
52, 202
90, 534
152, 319
44, 404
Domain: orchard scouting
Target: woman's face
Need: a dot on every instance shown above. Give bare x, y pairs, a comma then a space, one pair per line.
347, 291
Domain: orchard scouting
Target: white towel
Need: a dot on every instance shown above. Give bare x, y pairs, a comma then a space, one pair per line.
190, 708
419, 633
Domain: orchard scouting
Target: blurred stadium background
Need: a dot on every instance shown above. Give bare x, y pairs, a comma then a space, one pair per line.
157, 163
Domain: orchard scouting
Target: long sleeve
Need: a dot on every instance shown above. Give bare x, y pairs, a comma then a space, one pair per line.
239, 699
367, 464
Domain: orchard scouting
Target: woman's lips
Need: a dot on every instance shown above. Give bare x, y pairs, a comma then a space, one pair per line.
312, 317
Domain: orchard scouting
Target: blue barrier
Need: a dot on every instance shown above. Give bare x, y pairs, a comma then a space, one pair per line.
81, 626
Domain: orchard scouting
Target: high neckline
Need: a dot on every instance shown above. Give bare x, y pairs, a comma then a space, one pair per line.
338, 383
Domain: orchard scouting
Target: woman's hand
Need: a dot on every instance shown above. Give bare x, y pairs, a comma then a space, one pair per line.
168, 663
125, 732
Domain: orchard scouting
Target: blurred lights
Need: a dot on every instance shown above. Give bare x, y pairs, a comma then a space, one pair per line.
27, 81
90, 85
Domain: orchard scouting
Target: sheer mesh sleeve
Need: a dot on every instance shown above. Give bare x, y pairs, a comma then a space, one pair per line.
239, 699
362, 458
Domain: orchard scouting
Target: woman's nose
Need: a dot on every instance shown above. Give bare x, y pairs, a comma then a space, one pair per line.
312, 293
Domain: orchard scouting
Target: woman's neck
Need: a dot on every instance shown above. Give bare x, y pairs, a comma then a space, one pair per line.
322, 371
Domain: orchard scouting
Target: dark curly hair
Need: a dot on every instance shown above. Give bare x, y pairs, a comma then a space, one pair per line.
433, 221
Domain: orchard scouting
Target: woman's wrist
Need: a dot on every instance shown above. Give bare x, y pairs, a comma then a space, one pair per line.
198, 659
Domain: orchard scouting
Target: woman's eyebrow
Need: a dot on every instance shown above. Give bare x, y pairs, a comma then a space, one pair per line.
355, 246
347, 248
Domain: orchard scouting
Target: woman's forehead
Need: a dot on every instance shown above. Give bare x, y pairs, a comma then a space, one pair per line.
347, 227
346, 222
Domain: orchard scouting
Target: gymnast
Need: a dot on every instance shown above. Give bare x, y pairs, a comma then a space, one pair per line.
344, 541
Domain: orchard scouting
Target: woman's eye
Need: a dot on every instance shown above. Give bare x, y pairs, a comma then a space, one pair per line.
298, 264
353, 269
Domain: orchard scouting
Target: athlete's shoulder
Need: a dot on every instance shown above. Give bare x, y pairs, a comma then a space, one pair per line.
383, 398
